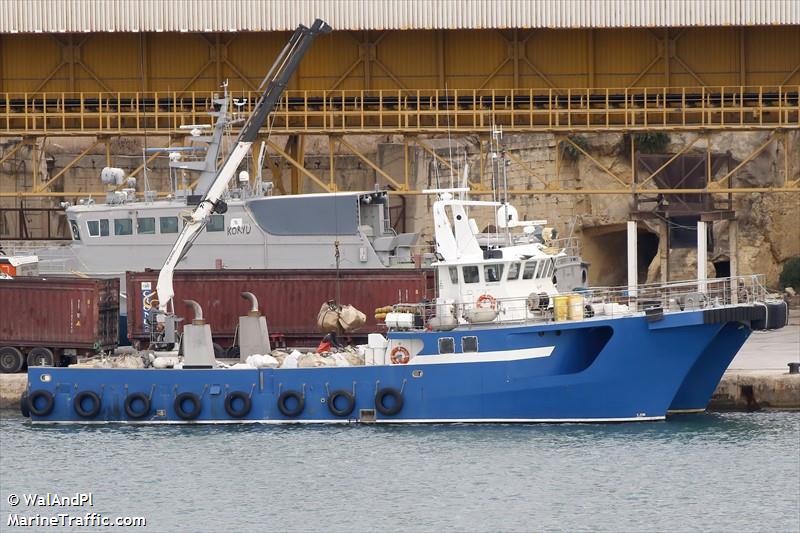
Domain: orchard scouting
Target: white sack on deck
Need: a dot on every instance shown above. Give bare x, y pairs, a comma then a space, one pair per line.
165, 362
290, 361
340, 359
314, 360
117, 361
279, 356
262, 361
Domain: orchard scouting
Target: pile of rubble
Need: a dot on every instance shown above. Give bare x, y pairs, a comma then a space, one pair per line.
348, 356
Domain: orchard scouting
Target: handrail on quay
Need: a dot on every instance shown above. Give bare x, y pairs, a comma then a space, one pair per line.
413, 111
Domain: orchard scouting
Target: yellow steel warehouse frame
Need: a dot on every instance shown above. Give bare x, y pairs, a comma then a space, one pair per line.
416, 84
407, 59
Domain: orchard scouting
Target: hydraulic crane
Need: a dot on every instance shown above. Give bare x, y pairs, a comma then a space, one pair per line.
273, 85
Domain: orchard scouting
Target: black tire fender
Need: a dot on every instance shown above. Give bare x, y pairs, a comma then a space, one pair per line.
191, 414
381, 395
23, 405
349, 399
77, 404
247, 404
49, 402
129, 402
286, 395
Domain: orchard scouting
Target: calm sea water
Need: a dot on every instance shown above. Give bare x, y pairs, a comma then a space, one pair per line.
712, 472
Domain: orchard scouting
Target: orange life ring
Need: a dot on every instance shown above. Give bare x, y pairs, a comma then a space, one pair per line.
400, 355
487, 298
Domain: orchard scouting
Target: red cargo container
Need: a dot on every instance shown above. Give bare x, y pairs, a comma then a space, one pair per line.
290, 299
52, 320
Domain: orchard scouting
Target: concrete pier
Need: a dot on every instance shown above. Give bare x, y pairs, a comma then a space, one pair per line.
11, 387
757, 378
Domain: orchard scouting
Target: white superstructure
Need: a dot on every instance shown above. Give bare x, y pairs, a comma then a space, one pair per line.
517, 266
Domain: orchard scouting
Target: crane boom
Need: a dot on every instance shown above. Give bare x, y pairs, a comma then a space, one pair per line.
273, 84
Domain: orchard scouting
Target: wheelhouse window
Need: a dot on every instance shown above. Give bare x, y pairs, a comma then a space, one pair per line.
168, 224
447, 345
550, 268
471, 274
513, 271
493, 272
453, 271
76, 234
530, 270
146, 226
469, 344
216, 223
123, 226
98, 228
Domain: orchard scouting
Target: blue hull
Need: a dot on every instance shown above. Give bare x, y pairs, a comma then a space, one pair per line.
596, 370
703, 378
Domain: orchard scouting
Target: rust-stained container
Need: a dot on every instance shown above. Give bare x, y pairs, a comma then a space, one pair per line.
290, 299
60, 315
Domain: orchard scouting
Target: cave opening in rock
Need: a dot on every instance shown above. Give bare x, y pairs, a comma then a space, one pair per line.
606, 249
723, 268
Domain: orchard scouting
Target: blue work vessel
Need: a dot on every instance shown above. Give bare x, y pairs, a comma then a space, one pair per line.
603, 370
498, 344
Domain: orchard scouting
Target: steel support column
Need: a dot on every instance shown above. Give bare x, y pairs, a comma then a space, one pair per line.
702, 255
733, 257
633, 268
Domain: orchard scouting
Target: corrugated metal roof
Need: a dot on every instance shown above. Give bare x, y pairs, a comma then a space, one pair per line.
52, 16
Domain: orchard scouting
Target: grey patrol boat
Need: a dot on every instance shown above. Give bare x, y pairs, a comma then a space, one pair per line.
258, 231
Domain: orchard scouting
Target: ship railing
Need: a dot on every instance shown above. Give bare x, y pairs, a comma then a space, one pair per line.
678, 295
571, 246
55, 262
598, 302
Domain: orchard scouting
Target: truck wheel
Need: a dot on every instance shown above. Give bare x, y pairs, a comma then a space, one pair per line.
41, 356
11, 360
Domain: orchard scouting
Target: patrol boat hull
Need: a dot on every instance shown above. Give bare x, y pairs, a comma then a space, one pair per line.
599, 370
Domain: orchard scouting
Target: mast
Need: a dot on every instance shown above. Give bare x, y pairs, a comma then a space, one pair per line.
273, 85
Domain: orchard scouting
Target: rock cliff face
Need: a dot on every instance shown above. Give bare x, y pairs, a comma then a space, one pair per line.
768, 223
